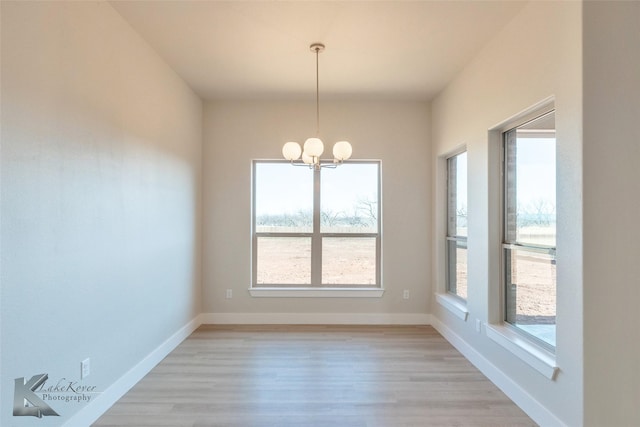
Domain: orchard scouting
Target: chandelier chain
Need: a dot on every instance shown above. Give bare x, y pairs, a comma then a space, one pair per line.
317, 94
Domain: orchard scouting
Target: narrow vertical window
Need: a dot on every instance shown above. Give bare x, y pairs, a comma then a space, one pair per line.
349, 216
456, 255
283, 211
529, 243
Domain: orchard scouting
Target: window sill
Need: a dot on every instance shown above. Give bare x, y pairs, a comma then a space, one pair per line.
454, 305
316, 292
535, 356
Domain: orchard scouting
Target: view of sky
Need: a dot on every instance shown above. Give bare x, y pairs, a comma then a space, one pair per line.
282, 188
461, 181
536, 169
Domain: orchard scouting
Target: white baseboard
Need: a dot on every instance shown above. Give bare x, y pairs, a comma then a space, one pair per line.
524, 400
92, 411
316, 318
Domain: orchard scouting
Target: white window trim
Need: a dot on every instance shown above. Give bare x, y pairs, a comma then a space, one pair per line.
525, 349
454, 304
307, 292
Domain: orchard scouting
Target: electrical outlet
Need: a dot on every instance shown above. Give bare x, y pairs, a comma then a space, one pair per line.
85, 368
405, 294
478, 326
229, 293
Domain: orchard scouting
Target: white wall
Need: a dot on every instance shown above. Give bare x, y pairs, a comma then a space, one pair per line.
537, 55
611, 42
235, 133
101, 183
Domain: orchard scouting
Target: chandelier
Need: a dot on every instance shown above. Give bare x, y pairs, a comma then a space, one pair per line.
313, 147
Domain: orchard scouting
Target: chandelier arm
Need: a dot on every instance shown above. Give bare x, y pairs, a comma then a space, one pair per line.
298, 163
329, 165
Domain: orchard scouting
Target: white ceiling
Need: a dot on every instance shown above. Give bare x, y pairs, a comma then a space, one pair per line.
260, 49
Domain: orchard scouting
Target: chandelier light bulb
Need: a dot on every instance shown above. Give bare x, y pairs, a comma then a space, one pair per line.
307, 159
313, 147
342, 151
291, 151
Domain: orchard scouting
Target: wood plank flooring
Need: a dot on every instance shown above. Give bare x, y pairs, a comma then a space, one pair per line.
347, 376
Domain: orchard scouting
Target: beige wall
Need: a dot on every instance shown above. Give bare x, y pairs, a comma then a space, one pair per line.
396, 132
611, 42
536, 56
100, 213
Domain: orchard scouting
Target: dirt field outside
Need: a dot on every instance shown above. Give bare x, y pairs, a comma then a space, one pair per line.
352, 261
345, 260
535, 280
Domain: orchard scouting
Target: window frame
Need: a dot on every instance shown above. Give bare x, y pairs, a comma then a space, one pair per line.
449, 236
506, 243
499, 332
345, 290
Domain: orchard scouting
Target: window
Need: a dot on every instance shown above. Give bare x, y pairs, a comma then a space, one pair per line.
316, 228
456, 254
529, 234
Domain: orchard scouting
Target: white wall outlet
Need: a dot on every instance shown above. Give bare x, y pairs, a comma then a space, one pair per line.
478, 326
405, 294
229, 293
85, 368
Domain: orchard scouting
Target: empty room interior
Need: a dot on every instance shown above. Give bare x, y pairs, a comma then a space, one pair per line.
320, 212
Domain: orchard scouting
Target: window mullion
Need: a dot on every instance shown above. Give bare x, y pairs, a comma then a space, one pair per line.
511, 196
316, 239
452, 197
254, 236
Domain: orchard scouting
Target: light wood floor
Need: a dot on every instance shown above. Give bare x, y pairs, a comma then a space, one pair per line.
315, 376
